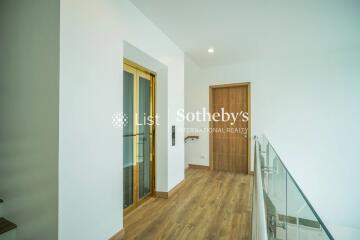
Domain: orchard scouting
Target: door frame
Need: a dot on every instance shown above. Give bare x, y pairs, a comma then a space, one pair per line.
139, 71
211, 88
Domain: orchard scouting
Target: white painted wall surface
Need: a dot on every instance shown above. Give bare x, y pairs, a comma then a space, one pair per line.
196, 151
344, 233
90, 154
308, 106
29, 113
10, 235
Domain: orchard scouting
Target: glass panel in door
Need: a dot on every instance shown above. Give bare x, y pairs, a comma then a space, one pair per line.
144, 129
128, 138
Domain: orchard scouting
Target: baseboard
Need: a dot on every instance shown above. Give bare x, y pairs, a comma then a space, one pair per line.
171, 192
162, 195
119, 235
199, 166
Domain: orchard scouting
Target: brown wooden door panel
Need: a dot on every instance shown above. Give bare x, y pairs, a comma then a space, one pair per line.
229, 142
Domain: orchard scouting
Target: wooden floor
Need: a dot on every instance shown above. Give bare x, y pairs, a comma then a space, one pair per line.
209, 205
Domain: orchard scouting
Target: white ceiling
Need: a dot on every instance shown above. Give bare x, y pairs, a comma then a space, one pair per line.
241, 30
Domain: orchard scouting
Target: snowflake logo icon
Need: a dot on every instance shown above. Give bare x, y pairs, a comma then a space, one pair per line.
120, 120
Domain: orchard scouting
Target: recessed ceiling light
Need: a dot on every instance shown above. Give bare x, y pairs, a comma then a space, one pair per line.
210, 50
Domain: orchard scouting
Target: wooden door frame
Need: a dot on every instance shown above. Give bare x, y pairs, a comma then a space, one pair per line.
139, 71
211, 88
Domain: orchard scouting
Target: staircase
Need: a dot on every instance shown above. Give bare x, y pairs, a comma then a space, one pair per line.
7, 228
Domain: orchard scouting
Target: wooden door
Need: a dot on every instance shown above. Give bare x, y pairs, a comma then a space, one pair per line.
229, 141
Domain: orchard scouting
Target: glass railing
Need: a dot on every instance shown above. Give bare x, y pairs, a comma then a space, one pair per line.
286, 211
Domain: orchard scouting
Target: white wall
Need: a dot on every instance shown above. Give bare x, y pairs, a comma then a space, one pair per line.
90, 155
308, 107
196, 93
344, 233
29, 110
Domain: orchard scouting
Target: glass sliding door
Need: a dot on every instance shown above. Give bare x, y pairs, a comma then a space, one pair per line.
128, 137
138, 139
144, 136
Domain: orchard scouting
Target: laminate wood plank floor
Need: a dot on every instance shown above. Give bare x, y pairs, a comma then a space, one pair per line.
209, 205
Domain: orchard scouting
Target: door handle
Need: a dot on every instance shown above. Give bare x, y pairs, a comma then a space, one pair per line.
133, 135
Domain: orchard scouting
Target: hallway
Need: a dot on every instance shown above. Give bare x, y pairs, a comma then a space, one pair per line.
209, 205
